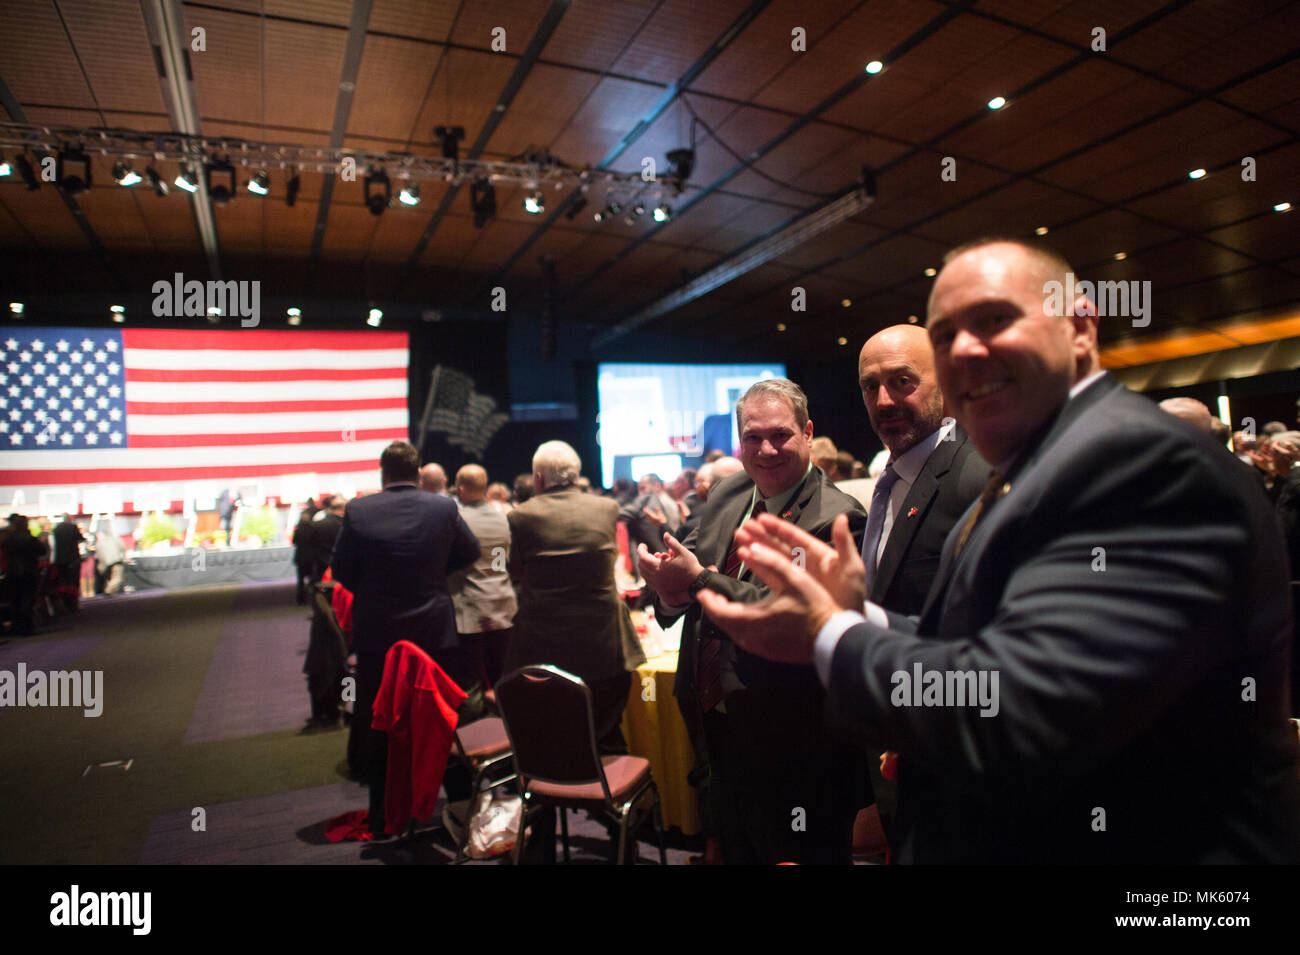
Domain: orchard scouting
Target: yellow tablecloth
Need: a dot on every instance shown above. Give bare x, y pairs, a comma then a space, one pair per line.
653, 726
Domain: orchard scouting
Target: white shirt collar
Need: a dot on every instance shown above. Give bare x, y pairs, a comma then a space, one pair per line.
908, 465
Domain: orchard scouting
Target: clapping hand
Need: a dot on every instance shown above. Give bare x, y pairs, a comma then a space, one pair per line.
809, 581
670, 573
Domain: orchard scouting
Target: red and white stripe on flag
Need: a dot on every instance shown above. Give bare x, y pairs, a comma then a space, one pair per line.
205, 405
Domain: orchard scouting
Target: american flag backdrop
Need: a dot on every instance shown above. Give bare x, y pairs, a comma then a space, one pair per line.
83, 407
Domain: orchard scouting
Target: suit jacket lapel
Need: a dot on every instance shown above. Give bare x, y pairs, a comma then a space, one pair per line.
1071, 412
919, 496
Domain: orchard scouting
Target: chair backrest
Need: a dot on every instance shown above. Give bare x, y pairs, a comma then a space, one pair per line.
548, 718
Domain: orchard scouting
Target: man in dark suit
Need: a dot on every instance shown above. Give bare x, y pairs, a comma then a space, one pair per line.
933, 474
1100, 672
395, 552
563, 543
322, 536
779, 789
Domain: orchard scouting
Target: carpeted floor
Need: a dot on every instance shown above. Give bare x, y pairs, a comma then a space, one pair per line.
203, 705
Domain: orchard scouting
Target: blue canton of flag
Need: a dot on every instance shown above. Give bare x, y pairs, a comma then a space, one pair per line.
62, 389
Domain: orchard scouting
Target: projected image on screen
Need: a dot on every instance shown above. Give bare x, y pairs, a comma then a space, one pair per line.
673, 415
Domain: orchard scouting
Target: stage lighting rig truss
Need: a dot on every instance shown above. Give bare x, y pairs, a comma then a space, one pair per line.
216, 160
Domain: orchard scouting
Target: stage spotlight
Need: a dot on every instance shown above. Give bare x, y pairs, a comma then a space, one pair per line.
185, 179
295, 316
449, 137
377, 201
72, 185
214, 315
535, 203
482, 201
260, 185
16, 307
118, 312
124, 175
291, 190
5, 168
410, 194
221, 193
663, 212
156, 181
683, 162
374, 318
27, 173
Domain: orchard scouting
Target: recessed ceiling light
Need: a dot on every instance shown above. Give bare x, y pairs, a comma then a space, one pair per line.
780, 326
16, 307
997, 102
912, 319
846, 302
875, 66
374, 318
117, 309
1282, 207
1121, 256
1041, 230
930, 273
1196, 174
842, 340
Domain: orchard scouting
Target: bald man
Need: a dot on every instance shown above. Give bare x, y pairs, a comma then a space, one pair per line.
433, 479
933, 474
1190, 410
481, 593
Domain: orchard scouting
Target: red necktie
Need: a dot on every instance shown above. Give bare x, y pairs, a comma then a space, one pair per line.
710, 666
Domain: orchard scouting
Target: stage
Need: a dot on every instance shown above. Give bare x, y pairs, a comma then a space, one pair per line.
196, 567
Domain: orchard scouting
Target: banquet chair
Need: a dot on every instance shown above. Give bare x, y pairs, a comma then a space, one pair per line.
548, 716
484, 748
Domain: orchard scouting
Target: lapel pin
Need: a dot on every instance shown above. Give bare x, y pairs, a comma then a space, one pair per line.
912, 513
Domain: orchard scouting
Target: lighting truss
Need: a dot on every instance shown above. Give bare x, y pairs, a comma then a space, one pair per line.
540, 169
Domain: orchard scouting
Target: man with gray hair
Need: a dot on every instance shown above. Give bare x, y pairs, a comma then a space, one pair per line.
562, 551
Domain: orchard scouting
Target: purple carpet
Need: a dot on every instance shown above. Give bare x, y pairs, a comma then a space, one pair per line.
255, 683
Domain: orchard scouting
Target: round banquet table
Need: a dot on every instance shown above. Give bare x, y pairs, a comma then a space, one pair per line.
654, 729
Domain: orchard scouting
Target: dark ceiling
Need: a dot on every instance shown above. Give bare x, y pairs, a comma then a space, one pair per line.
1094, 145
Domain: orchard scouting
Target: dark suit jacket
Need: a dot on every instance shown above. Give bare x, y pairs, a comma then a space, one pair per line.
394, 552
320, 542
814, 508
1120, 690
562, 549
952, 478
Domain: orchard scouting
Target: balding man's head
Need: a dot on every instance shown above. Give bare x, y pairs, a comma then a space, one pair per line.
471, 483
725, 467
1190, 410
433, 478
1006, 351
899, 387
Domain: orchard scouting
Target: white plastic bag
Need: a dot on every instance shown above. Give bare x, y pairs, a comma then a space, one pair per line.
495, 824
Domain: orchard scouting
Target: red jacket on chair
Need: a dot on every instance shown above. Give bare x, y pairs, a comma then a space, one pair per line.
416, 706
